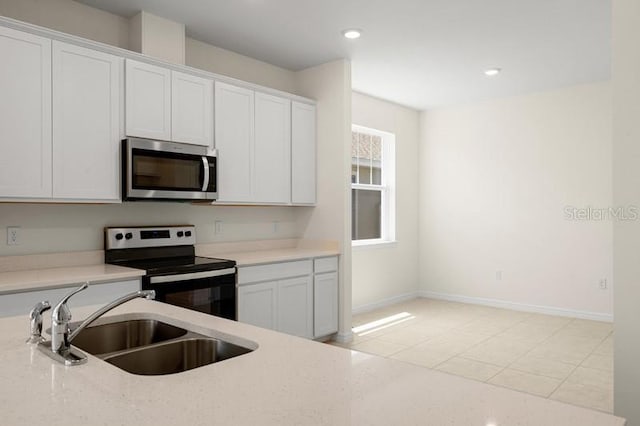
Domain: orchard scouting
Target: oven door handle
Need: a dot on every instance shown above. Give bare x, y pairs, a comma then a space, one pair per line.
191, 276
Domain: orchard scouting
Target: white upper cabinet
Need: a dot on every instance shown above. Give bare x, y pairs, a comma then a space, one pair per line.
86, 123
234, 140
191, 109
253, 138
25, 115
148, 101
65, 107
272, 149
303, 153
168, 105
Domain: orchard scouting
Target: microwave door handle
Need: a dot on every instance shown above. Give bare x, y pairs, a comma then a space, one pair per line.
205, 181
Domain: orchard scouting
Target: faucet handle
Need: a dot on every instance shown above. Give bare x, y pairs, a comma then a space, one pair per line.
61, 312
35, 321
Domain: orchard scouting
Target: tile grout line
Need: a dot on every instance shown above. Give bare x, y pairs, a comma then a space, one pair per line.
534, 374
580, 365
545, 340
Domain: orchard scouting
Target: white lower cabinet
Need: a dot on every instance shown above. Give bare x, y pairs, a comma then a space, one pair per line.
298, 298
325, 296
325, 304
257, 304
295, 306
97, 293
277, 296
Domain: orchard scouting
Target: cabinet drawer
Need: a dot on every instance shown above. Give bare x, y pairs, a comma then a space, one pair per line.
325, 264
274, 271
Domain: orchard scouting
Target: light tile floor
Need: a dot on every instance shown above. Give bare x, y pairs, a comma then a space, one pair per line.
565, 359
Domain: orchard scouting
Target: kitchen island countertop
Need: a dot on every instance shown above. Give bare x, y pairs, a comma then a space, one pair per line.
285, 381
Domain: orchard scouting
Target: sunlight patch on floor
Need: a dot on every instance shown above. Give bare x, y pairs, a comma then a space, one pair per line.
381, 324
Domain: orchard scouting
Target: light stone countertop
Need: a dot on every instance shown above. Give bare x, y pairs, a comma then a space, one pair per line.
41, 271
37, 279
285, 381
257, 257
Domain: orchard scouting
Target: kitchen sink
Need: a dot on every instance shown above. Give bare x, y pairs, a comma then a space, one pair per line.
177, 356
151, 347
123, 335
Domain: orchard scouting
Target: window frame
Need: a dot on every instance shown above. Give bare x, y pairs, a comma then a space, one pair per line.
387, 188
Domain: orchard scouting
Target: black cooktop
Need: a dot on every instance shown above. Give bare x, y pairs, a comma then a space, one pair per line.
178, 265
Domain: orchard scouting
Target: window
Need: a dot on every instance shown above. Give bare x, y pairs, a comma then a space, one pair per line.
372, 186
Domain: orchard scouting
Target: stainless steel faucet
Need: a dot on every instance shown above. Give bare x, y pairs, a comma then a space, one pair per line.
35, 321
61, 335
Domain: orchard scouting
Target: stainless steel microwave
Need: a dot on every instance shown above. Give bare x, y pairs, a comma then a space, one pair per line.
169, 171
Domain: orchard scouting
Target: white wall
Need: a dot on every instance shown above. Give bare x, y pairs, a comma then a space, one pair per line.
626, 189
65, 227
220, 61
495, 178
70, 17
388, 272
158, 37
330, 85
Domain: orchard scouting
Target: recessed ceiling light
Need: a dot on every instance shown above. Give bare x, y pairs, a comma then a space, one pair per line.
491, 72
352, 33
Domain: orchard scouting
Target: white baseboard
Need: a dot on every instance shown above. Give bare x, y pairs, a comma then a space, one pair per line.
383, 303
548, 310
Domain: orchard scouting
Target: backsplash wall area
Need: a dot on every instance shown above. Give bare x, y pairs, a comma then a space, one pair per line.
46, 228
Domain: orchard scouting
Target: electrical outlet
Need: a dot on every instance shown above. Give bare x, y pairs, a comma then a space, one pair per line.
218, 227
603, 284
498, 275
13, 235
276, 227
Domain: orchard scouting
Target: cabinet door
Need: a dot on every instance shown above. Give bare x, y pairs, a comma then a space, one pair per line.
191, 109
234, 140
257, 304
303, 153
148, 101
295, 306
325, 309
272, 149
25, 109
86, 118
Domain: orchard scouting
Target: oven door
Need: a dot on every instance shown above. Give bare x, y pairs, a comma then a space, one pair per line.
167, 170
211, 292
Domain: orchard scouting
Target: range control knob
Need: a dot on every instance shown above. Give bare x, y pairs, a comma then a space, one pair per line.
119, 236
187, 234
180, 233
128, 235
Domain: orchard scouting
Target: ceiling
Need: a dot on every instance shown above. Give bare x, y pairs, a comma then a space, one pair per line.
419, 53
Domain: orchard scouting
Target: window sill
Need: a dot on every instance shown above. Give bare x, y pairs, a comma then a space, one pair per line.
372, 244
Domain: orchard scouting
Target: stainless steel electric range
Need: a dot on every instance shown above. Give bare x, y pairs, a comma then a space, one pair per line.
178, 276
